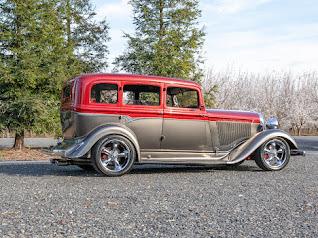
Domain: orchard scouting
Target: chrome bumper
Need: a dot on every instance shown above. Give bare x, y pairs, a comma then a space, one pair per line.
67, 148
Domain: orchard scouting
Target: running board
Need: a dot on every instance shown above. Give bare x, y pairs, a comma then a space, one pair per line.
66, 162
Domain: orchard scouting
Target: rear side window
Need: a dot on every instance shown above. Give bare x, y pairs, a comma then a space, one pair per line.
142, 95
66, 93
104, 93
182, 97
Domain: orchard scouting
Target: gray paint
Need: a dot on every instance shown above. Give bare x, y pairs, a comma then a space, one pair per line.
147, 130
84, 123
181, 134
185, 141
67, 121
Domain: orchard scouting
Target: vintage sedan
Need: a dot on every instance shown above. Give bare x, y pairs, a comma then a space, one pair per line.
111, 121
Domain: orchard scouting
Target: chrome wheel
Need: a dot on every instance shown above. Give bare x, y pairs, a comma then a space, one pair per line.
115, 155
275, 154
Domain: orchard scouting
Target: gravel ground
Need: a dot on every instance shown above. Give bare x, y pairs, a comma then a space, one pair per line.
43, 200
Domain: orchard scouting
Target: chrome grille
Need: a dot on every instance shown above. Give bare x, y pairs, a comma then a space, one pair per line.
231, 131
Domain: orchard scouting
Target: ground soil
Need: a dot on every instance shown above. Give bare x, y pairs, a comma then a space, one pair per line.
24, 154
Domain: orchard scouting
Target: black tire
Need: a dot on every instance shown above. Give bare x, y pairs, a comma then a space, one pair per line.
264, 163
86, 167
122, 143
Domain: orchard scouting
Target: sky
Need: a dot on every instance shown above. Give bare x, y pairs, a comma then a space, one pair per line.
247, 35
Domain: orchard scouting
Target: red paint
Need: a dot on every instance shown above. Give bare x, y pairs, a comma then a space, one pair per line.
231, 115
80, 100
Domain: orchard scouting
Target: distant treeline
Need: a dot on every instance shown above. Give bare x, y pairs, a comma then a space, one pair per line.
293, 98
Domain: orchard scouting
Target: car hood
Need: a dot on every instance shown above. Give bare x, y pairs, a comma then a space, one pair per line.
233, 115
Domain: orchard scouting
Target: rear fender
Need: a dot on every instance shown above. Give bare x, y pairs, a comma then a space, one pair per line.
247, 148
86, 143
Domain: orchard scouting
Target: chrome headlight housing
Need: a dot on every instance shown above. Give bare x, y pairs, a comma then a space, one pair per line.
272, 123
262, 125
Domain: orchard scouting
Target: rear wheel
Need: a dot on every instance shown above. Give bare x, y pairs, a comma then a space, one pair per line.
274, 154
113, 156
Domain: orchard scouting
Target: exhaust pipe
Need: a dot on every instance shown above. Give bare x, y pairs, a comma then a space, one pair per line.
298, 152
60, 162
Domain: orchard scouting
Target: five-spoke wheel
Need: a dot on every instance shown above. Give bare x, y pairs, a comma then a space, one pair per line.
113, 156
274, 154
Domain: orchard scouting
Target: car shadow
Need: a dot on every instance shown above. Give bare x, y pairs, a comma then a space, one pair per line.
45, 169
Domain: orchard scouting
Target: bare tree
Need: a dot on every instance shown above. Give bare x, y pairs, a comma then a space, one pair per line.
290, 97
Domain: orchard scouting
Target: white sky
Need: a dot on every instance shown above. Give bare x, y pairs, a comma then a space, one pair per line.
251, 35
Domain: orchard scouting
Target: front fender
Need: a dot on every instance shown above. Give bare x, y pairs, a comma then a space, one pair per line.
84, 145
245, 149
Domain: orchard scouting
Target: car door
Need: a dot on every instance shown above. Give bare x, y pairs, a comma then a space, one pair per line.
142, 110
184, 121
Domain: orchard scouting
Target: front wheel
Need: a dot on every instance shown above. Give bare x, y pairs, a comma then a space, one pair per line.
113, 156
273, 155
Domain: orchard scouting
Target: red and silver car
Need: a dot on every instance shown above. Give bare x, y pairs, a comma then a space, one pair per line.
111, 121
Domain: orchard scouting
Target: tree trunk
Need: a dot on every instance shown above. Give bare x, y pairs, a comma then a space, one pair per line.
19, 141
68, 22
161, 26
299, 131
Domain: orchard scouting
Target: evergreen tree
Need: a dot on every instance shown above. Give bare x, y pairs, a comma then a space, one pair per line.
31, 66
41, 47
167, 40
86, 39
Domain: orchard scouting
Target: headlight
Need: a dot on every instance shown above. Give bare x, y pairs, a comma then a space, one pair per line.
272, 123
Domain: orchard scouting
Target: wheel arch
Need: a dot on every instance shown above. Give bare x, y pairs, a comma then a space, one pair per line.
247, 148
86, 143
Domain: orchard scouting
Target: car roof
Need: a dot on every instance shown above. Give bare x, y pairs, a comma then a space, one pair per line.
136, 78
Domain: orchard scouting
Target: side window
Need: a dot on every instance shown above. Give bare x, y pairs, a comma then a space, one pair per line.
66, 95
142, 95
104, 93
182, 97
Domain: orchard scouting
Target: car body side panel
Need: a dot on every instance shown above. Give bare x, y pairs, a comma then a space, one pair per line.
67, 122
147, 130
86, 122
184, 135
